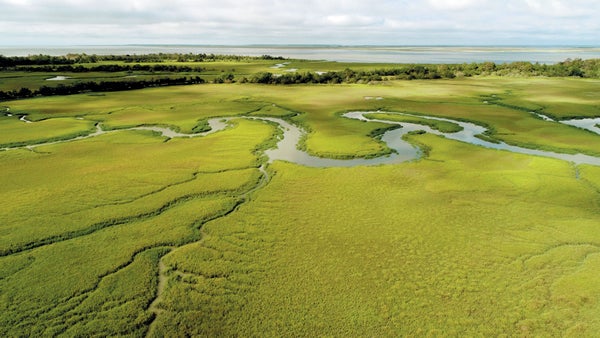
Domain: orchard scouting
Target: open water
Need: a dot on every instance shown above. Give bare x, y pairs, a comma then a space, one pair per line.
383, 54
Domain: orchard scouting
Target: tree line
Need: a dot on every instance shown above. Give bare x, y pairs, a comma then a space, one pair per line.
102, 86
108, 68
71, 59
569, 68
349, 76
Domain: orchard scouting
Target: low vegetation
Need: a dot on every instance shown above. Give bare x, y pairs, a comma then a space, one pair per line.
130, 233
93, 73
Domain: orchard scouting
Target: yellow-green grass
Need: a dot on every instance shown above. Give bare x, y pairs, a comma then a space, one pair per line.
467, 242
459, 99
249, 67
15, 80
319, 106
15, 133
95, 215
184, 107
61, 276
511, 126
181, 107
560, 98
116, 306
148, 172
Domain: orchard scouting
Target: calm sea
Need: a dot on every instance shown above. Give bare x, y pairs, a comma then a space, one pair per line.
391, 54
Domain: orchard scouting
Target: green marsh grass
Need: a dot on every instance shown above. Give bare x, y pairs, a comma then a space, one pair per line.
149, 173
105, 203
15, 133
466, 241
56, 283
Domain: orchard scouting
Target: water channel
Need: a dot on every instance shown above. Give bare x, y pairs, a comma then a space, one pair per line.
403, 151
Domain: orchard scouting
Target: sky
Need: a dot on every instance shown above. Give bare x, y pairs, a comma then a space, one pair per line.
337, 22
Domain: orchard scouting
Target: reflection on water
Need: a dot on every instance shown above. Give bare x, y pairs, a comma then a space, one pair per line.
590, 124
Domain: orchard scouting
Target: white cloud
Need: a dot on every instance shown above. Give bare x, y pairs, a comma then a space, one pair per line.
452, 4
556, 8
350, 20
292, 21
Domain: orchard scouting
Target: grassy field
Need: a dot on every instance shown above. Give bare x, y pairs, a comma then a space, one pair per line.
16, 133
469, 241
131, 233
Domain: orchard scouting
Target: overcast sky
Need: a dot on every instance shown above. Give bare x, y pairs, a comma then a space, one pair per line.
347, 22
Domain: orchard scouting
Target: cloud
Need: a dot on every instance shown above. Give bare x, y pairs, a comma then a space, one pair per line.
350, 20
309, 21
453, 4
555, 8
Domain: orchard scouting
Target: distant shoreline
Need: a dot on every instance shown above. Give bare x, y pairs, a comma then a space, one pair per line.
340, 53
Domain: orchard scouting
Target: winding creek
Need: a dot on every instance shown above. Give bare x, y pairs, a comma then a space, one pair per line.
287, 147
287, 150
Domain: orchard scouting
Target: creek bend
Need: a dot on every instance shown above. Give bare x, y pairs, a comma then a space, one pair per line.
286, 149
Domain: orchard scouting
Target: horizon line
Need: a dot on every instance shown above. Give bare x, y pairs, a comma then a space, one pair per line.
300, 45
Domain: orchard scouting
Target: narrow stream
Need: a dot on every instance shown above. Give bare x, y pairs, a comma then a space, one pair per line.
470, 130
216, 124
286, 149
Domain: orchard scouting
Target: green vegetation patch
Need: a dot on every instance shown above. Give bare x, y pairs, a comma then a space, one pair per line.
111, 204
468, 241
130, 233
60, 284
77, 193
560, 98
14, 133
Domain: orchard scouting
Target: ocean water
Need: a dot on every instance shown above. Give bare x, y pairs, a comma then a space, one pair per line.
382, 54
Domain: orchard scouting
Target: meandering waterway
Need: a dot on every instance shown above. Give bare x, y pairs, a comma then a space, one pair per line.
468, 135
287, 147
